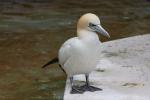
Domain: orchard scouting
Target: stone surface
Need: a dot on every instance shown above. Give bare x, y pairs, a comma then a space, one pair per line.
123, 72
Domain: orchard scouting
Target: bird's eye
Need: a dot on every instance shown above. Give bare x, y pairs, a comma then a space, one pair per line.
91, 24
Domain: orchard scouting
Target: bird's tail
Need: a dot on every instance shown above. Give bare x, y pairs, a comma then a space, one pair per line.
55, 60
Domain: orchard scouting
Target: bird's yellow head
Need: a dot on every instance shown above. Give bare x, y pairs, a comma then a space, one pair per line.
90, 23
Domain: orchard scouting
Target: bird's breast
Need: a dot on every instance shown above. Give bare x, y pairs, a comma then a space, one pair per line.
91, 52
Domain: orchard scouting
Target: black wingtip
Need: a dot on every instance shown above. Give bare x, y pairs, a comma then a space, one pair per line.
55, 60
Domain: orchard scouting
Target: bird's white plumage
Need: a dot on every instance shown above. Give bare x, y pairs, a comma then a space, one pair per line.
80, 55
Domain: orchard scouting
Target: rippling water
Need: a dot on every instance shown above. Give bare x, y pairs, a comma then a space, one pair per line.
32, 32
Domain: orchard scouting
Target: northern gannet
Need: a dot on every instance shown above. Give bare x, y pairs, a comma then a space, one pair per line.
80, 55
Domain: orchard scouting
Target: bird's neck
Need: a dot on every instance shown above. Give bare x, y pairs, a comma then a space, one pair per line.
87, 35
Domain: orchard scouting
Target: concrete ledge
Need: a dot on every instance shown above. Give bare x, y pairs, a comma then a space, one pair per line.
123, 72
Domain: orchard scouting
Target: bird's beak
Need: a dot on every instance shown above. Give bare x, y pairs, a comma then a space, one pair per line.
99, 29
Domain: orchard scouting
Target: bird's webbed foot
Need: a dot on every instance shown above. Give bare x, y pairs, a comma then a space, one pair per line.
90, 88
76, 90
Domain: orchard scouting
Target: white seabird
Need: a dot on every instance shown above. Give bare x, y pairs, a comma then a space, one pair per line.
80, 55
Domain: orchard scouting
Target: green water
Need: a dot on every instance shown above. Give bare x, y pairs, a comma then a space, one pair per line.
32, 32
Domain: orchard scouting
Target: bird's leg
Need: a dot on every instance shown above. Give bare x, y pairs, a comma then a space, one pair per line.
75, 89
87, 86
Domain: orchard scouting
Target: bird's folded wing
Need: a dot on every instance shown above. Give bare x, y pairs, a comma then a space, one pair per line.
67, 50
64, 54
